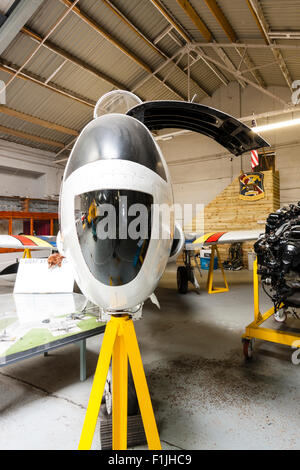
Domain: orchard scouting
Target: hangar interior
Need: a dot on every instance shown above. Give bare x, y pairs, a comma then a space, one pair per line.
57, 58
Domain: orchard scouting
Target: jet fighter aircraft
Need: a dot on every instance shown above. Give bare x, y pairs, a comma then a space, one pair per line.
115, 188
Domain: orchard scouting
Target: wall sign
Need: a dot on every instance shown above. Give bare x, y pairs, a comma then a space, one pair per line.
252, 186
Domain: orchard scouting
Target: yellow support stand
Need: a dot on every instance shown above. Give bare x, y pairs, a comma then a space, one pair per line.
209, 286
120, 344
254, 330
27, 253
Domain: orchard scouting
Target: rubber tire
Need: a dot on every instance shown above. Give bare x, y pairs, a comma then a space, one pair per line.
182, 279
248, 349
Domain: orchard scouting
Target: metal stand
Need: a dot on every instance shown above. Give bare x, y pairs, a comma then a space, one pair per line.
254, 331
209, 285
82, 346
121, 344
27, 253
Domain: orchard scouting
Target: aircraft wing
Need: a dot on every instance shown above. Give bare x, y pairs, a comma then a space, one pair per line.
219, 238
20, 242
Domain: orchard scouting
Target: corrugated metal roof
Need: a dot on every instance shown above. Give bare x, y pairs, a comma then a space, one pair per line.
182, 19
207, 78
144, 16
36, 101
240, 18
29, 128
282, 16
272, 74
79, 39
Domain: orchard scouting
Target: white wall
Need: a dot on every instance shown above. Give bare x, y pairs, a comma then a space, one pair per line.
201, 168
29, 172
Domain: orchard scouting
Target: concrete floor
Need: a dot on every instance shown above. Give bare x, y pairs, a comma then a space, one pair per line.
204, 394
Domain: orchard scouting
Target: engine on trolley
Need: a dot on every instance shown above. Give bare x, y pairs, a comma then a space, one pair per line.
278, 257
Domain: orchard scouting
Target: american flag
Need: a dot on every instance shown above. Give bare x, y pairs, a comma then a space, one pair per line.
254, 159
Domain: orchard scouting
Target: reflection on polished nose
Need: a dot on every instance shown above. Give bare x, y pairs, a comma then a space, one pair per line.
113, 241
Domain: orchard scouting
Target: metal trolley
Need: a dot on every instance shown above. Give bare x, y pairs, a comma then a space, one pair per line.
255, 330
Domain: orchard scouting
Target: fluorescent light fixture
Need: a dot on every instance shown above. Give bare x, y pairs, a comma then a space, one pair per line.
276, 125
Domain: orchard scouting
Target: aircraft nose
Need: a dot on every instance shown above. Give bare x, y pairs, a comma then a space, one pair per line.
113, 243
116, 137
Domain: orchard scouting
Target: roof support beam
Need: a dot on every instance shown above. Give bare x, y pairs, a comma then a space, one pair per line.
230, 33
214, 69
133, 28
164, 33
238, 74
145, 80
226, 45
193, 15
117, 44
107, 35
34, 120
169, 18
67, 147
184, 36
16, 20
258, 15
71, 58
284, 34
222, 20
32, 138
258, 67
39, 81
155, 48
51, 31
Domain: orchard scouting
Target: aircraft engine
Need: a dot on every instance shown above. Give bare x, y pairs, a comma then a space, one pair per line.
278, 256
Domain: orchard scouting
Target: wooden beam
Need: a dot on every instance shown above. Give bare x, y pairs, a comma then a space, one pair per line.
206, 33
221, 18
184, 36
119, 45
107, 36
133, 28
38, 80
155, 48
169, 18
193, 15
34, 120
227, 28
262, 31
71, 58
32, 138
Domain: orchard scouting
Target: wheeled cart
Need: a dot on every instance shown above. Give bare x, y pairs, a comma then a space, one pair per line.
255, 331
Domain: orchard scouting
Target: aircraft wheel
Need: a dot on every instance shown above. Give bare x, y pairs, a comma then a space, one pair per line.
182, 279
